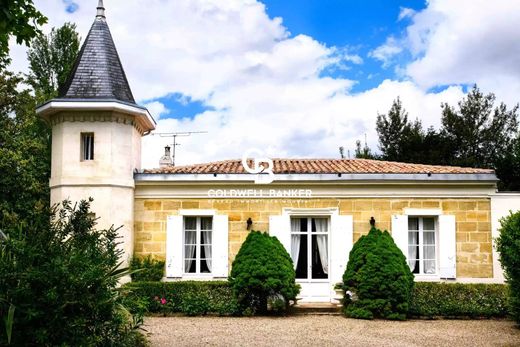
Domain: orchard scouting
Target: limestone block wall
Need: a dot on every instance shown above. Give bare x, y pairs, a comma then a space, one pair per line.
473, 218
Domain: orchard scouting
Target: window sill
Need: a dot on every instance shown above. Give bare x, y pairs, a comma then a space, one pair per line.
427, 278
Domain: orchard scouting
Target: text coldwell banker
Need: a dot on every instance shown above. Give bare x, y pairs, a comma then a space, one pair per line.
260, 193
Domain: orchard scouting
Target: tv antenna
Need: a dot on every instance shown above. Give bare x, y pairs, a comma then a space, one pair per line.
174, 136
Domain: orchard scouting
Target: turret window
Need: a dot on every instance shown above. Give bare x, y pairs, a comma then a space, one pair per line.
87, 146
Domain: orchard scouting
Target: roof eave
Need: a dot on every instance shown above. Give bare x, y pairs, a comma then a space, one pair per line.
53, 106
480, 178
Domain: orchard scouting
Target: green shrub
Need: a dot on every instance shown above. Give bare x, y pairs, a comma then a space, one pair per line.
459, 300
508, 245
61, 275
261, 270
377, 281
146, 269
187, 297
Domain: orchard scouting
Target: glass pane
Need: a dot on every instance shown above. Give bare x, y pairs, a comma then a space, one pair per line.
414, 265
301, 266
429, 266
320, 257
190, 251
190, 223
429, 252
190, 237
320, 225
429, 237
295, 224
190, 266
413, 252
303, 224
413, 223
205, 265
428, 224
205, 237
413, 237
206, 223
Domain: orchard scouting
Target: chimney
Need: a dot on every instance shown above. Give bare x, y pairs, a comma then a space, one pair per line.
166, 159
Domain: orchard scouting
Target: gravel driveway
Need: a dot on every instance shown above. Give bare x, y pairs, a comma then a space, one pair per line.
327, 331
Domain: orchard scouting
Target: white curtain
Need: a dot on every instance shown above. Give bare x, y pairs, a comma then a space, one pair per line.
429, 252
412, 249
190, 241
321, 226
206, 241
295, 241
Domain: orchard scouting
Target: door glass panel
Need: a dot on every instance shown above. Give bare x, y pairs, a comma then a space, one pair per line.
413, 223
428, 224
302, 265
190, 223
320, 262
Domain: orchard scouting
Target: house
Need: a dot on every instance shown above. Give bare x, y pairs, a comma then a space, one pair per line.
196, 217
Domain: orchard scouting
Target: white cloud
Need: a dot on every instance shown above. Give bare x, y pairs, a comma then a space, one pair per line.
156, 109
406, 12
465, 42
387, 51
264, 87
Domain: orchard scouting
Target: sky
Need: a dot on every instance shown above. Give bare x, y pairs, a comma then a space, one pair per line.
297, 79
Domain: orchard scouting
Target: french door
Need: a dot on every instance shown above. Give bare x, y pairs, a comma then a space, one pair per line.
310, 254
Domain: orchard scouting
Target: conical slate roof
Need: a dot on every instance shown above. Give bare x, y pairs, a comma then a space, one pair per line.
98, 73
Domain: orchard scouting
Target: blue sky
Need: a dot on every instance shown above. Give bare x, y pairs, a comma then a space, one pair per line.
306, 84
356, 26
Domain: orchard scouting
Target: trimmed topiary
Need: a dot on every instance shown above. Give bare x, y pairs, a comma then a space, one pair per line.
508, 245
377, 282
263, 272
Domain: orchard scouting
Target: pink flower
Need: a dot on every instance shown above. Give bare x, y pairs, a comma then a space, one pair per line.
163, 301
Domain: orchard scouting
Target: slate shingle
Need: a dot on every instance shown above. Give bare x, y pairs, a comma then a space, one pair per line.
98, 72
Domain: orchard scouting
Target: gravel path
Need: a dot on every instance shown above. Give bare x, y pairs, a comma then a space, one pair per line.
327, 331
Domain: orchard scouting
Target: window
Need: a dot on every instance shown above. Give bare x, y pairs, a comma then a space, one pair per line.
309, 247
422, 245
87, 146
198, 233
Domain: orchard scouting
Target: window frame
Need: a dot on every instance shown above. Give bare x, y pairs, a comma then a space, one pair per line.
87, 154
420, 245
198, 246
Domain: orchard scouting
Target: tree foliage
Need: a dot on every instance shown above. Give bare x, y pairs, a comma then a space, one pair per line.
377, 281
476, 133
18, 18
51, 58
262, 269
508, 246
24, 153
61, 275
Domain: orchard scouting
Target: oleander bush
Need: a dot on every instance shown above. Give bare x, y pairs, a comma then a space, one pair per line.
263, 275
508, 245
146, 269
191, 298
377, 282
59, 283
459, 300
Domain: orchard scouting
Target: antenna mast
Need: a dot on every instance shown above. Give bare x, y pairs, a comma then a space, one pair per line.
174, 139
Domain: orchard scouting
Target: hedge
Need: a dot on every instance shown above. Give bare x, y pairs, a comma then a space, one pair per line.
457, 300
186, 297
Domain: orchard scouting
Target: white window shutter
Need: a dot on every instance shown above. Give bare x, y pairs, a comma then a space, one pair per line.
341, 235
400, 232
174, 246
280, 226
447, 247
220, 261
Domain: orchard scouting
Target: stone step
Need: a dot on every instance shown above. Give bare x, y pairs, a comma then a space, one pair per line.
318, 308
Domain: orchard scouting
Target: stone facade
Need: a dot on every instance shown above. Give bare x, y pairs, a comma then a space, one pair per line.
473, 218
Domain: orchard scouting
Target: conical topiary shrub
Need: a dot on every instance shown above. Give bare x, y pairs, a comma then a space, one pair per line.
377, 282
263, 269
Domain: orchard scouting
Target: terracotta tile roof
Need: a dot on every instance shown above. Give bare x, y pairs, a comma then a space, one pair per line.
320, 166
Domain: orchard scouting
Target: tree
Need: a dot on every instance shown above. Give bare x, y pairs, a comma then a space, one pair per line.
363, 152
18, 18
61, 276
24, 153
480, 133
377, 282
51, 58
392, 128
508, 247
